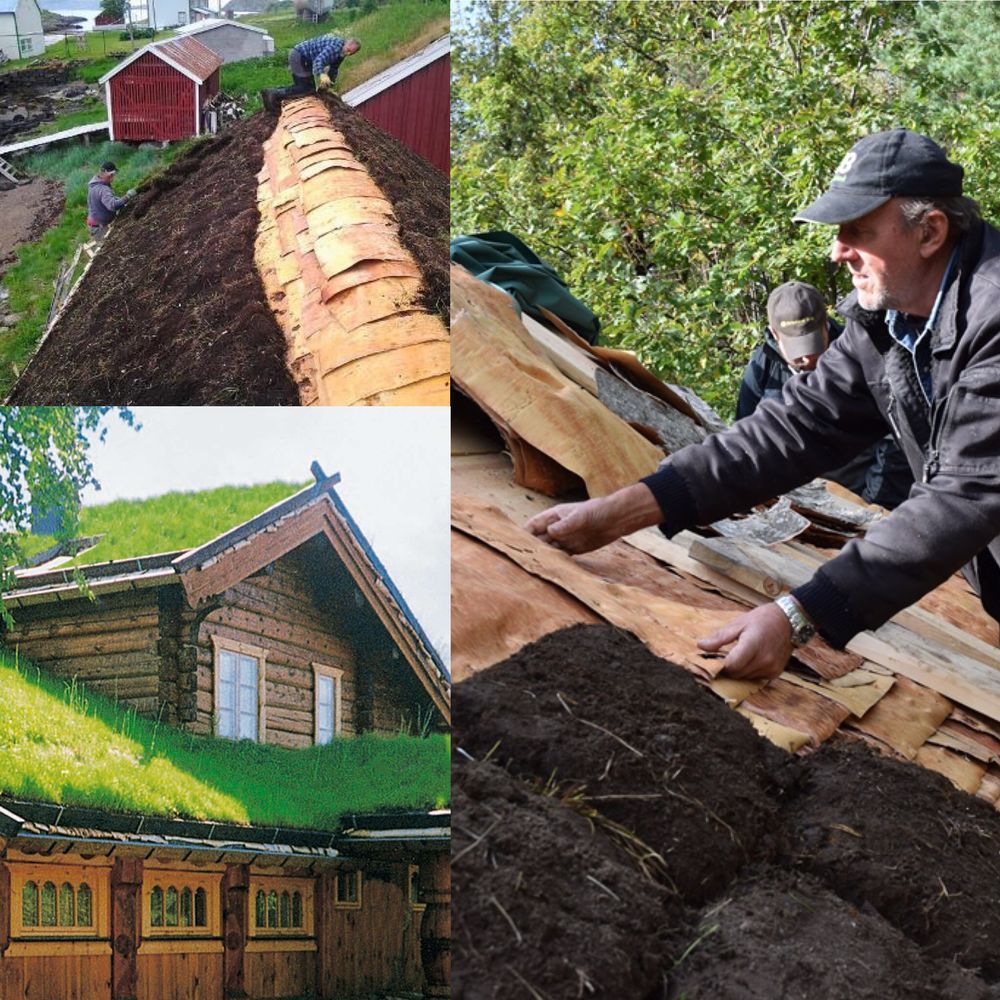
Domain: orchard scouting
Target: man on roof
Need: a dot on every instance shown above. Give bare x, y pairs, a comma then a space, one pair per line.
798, 332
102, 204
320, 56
920, 355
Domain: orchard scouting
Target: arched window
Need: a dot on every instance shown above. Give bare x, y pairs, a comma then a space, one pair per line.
282, 907
297, 909
200, 909
260, 918
156, 907
186, 914
49, 905
67, 906
170, 907
286, 909
85, 906
29, 904
272, 909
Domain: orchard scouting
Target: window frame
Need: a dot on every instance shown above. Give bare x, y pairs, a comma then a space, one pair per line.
180, 879
272, 883
221, 644
322, 670
347, 904
97, 879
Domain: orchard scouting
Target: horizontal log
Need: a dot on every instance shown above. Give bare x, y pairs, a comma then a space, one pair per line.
110, 664
291, 740
122, 620
64, 647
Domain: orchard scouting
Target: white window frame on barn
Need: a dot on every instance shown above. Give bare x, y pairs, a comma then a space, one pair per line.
70, 884
327, 712
245, 715
341, 875
282, 892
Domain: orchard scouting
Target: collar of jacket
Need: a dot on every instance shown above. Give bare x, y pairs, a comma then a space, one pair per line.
947, 331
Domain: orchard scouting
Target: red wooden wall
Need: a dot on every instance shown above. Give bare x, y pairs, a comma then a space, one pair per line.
417, 112
151, 100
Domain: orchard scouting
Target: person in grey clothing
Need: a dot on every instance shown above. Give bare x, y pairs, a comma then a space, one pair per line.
102, 205
920, 354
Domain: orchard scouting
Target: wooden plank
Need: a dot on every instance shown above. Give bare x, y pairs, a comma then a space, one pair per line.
669, 628
499, 366
905, 718
571, 360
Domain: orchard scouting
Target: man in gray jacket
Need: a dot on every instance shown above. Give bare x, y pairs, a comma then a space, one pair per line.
920, 355
102, 205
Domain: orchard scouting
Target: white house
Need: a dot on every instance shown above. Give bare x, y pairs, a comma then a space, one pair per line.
230, 40
159, 13
21, 29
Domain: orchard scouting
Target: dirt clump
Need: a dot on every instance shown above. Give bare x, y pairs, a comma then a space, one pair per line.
534, 863
686, 774
420, 197
777, 934
830, 875
172, 310
905, 841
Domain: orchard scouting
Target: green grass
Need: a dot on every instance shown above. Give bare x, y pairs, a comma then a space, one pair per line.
168, 522
30, 280
90, 111
387, 35
61, 743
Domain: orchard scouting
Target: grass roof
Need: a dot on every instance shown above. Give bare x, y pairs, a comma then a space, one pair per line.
178, 520
61, 743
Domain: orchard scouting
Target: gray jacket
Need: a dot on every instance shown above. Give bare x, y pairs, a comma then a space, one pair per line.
101, 202
863, 384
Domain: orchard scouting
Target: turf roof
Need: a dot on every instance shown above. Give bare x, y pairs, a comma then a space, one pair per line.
63, 744
167, 523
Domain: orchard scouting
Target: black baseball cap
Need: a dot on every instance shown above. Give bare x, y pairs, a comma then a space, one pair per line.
108, 168
883, 166
796, 314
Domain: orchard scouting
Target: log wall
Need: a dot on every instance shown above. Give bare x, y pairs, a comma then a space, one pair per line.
109, 644
277, 612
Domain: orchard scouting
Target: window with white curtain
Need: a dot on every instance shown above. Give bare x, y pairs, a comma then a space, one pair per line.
239, 690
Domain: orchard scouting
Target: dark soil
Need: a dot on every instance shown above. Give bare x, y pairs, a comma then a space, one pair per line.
419, 194
835, 875
172, 310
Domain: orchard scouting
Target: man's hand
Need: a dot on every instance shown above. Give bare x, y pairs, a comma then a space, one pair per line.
130, 193
763, 643
324, 81
583, 527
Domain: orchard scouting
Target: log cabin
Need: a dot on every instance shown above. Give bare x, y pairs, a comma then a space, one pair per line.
288, 631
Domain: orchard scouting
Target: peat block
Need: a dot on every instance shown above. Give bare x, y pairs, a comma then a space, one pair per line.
545, 902
590, 708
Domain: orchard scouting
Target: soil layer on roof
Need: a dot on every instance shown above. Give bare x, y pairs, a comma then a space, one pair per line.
625, 834
172, 310
419, 194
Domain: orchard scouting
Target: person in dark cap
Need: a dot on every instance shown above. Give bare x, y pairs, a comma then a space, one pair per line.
920, 355
102, 205
799, 331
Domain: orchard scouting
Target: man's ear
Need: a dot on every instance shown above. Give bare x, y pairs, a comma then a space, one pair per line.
934, 232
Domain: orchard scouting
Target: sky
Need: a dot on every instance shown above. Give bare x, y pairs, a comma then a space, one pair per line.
393, 462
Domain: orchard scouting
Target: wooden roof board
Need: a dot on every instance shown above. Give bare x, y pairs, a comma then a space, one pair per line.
336, 264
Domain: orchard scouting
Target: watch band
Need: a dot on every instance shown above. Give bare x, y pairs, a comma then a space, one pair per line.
802, 629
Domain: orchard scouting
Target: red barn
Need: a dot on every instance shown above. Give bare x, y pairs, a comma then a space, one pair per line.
159, 91
412, 101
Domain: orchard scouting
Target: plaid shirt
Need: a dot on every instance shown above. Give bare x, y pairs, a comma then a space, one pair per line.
324, 52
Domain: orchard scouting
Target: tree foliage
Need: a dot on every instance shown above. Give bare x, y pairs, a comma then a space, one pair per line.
44, 464
114, 9
655, 152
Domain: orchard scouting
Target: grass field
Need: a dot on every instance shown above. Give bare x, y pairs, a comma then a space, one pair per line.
169, 522
60, 743
30, 280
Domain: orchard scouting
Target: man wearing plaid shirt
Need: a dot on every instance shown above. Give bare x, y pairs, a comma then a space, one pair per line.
321, 55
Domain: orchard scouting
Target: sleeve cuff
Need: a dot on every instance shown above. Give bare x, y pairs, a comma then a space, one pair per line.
829, 609
673, 498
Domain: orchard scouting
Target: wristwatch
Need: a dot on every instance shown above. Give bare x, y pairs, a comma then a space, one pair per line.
802, 629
